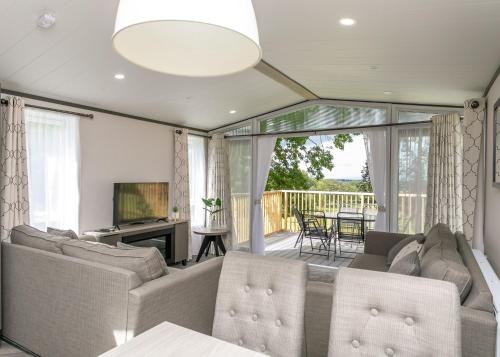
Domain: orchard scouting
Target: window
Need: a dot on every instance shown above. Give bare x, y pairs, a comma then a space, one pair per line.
410, 189
53, 169
197, 153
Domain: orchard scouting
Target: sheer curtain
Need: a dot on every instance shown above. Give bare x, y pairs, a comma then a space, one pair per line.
376, 154
197, 152
265, 150
413, 154
53, 169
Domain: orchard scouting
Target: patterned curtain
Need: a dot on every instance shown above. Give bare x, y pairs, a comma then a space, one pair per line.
181, 179
14, 194
473, 171
444, 183
219, 186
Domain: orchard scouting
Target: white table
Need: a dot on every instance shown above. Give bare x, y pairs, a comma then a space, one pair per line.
170, 340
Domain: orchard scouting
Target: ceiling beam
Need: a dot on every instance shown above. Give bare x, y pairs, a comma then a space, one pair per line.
280, 77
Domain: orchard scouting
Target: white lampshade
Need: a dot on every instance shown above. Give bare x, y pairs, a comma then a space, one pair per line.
197, 38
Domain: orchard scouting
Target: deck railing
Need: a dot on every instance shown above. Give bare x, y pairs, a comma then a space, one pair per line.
278, 216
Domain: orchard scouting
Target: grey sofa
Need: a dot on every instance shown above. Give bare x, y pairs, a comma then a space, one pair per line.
479, 324
57, 306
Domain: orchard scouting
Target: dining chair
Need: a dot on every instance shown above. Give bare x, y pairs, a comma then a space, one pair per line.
315, 228
350, 229
381, 314
260, 304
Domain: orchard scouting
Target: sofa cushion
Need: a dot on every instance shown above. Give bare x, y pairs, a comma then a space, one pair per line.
148, 263
480, 297
62, 232
129, 246
369, 262
34, 238
440, 233
407, 249
406, 265
442, 262
401, 244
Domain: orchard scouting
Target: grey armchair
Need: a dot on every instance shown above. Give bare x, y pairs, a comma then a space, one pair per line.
260, 304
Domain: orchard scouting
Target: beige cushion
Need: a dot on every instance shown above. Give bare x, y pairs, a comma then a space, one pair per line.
34, 238
369, 262
62, 232
412, 247
324, 274
148, 263
406, 265
401, 244
260, 304
122, 245
442, 262
377, 314
440, 233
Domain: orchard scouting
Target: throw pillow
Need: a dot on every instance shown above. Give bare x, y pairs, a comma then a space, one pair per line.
122, 245
62, 232
407, 249
34, 238
407, 265
148, 263
420, 238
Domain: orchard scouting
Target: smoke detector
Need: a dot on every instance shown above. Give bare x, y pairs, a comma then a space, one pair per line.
46, 20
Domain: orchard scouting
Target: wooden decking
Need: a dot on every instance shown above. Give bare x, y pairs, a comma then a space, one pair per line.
282, 245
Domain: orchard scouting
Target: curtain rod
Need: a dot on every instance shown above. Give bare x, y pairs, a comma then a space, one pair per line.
318, 131
85, 115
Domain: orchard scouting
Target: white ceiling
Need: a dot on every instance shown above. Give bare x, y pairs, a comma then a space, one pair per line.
425, 51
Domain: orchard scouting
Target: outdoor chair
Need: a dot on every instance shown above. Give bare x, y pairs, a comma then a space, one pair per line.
350, 229
313, 227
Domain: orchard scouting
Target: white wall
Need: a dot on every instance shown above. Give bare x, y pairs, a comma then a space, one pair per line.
117, 149
492, 208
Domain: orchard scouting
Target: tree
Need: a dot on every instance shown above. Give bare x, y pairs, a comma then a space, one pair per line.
365, 185
286, 172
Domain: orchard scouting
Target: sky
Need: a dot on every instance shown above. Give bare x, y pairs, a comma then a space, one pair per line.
348, 162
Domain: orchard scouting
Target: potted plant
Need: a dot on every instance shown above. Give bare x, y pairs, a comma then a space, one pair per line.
213, 206
175, 211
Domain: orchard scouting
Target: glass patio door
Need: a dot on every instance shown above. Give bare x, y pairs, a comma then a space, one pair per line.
409, 175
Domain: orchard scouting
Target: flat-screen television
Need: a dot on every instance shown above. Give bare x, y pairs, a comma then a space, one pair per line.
139, 202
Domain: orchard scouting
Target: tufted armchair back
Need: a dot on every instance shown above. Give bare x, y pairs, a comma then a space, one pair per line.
260, 304
382, 314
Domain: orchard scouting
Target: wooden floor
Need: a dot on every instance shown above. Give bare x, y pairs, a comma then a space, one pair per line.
282, 245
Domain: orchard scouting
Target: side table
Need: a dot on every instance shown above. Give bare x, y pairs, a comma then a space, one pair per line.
211, 235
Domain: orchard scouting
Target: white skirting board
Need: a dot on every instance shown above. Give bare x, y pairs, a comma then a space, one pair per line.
494, 285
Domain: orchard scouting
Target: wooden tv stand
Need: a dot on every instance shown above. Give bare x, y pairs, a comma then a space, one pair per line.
174, 233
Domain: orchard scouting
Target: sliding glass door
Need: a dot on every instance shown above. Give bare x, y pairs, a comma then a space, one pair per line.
409, 187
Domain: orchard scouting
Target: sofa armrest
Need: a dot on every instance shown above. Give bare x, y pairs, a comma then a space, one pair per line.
479, 329
186, 298
379, 243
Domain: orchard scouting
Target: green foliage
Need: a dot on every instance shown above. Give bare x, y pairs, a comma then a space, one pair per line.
175, 209
285, 172
365, 185
331, 185
212, 205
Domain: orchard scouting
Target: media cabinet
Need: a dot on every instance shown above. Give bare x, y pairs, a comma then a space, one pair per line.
173, 234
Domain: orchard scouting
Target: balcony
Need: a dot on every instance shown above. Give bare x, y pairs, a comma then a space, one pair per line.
281, 228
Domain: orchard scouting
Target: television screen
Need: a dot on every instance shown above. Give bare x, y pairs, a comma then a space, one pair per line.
137, 202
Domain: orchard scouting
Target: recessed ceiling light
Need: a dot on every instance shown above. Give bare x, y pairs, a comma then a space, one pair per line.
119, 76
373, 68
46, 20
347, 22
232, 111
387, 92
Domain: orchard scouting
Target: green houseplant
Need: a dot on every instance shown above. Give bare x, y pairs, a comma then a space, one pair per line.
175, 211
213, 206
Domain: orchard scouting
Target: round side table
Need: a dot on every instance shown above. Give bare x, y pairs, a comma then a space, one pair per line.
211, 236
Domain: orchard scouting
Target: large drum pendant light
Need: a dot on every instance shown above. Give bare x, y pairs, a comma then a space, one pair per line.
196, 38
